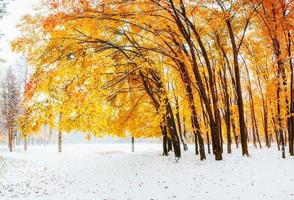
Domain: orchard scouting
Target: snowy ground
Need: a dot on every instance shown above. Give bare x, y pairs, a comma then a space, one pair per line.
111, 171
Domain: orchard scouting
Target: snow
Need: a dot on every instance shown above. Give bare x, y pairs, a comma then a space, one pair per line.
111, 171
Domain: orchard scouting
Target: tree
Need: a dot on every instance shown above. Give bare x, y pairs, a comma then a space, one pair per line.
117, 67
10, 105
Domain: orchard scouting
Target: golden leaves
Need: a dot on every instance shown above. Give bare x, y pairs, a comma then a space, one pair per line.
88, 58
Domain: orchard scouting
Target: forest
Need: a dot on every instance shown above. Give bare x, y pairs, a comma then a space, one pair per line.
212, 77
208, 72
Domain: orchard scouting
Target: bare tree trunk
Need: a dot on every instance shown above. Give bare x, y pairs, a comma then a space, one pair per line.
280, 131
184, 127
236, 137
25, 143
227, 101
280, 77
173, 130
133, 144
255, 132
239, 91
10, 139
208, 142
276, 132
196, 144
164, 140
179, 124
206, 127
291, 118
59, 141
169, 145
220, 132
282, 139
227, 114
265, 115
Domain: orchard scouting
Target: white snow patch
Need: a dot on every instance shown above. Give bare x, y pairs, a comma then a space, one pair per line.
111, 171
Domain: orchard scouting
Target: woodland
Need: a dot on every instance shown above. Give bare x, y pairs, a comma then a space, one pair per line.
212, 73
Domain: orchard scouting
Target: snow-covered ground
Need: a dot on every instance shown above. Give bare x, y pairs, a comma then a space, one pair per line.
111, 171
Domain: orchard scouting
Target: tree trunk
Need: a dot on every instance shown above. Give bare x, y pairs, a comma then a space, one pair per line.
59, 141
236, 138
239, 91
265, 116
164, 140
133, 144
208, 142
280, 131
169, 145
170, 121
255, 132
206, 127
280, 77
291, 118
227, 112
283, 144
10, 139
185, 146
25, 142
173, 130
194, 120
196, 144
214, 124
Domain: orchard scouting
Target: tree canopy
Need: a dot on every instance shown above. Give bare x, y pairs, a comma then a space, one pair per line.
214, 71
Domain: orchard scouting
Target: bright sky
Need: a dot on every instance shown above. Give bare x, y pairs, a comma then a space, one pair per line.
16, 9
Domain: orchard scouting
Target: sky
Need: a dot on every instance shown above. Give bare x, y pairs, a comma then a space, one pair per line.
16, 9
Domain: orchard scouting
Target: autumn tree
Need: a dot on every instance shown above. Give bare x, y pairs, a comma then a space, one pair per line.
173, 69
